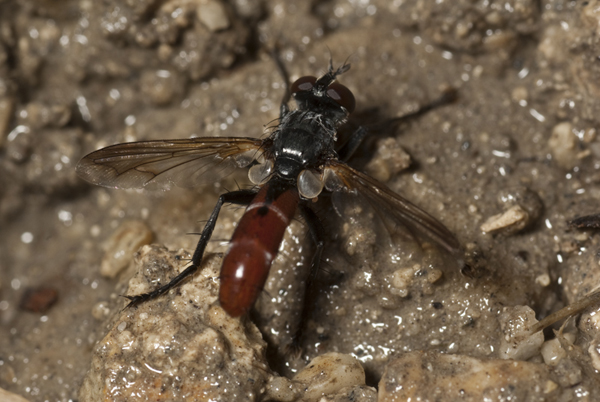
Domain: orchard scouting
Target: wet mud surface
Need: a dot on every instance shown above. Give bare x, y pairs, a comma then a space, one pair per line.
504, 168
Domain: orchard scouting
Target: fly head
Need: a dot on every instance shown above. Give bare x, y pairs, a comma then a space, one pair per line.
324, 96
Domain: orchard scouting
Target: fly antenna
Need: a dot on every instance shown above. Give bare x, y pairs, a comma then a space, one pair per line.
330, 60
343, 68
346, 66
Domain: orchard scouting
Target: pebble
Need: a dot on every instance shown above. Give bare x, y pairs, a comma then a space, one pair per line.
522, 207
590, 16
282, 389
552, 352
100, 311
401, 280
6, 396
161, 86
41, 115
119, 248
594, 352
543, 280
514, 220
359, 238
389, 159
39, 300
212, 15
328, 374
563, 145
520, 95
462, 378
180, 346
568, 373
518, 343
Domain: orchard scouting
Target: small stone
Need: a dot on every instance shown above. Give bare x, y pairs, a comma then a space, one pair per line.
568, 373
515, 219
500, 41
594, 351
164, 52
552, 352
100, 311
550, 386
213, 15
434, 376
589, 135
180, 346
41, 115
543, 280
401, 280
562, 144
329, 373
282, 389
519, 94
358, 238
39, 300
6, 396
119, 248
433, 275
518, 343
161, 86
590, 16
389, 159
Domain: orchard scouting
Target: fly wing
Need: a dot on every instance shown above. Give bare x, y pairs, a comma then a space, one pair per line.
389, 205
150, 164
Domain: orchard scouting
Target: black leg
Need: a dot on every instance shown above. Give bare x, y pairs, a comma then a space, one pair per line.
317, 232
241, 197
283, 108
348, 149
450, 95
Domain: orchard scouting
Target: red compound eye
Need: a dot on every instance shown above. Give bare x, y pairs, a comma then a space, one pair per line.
303, 84
342, 96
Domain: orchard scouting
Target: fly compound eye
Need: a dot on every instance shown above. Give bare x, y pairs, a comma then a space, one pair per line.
260, 173
310, 184
342, 96
305, 83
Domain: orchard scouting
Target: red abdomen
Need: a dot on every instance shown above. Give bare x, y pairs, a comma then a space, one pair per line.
253, 248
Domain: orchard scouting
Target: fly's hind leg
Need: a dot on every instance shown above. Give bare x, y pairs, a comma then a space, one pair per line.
284, 108
317, 232
241, 197
356, 138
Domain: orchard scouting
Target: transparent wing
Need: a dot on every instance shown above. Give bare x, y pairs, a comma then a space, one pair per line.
389, 205
158, 164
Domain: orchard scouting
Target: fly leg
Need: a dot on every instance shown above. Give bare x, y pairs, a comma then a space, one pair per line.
317, 232
284, 107
241, 197
356, 138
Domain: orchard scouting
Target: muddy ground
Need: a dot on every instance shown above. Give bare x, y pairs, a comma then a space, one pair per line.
521, 140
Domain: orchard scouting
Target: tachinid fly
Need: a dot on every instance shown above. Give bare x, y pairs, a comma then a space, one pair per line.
290, 168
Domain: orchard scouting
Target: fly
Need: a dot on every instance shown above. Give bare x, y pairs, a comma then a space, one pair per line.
290, 168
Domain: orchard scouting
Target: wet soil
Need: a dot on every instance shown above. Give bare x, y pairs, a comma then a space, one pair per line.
521, 140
